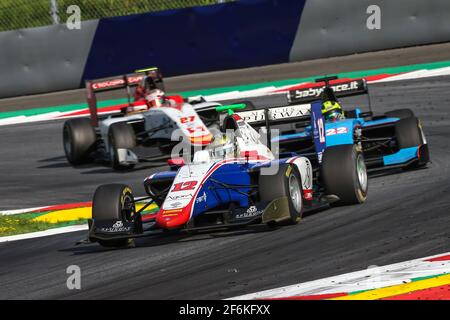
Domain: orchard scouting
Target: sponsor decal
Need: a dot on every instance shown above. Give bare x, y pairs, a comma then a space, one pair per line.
179, 197
251, 212
295, 111
320, 156
316, 92
108, 84
118, 226
288, 171
172, 211
116, 82
175, 204
136, 79
202, 198
321, 129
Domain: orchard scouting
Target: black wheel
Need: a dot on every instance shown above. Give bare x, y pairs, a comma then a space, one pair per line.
409, 133
121, 136
113, 202
286, 183
344, 174
400, 113
79, 140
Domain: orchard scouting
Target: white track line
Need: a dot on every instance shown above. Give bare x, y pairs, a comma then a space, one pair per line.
19, 211
371, 278
45, 233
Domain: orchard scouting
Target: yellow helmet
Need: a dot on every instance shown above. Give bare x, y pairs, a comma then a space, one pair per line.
332, 111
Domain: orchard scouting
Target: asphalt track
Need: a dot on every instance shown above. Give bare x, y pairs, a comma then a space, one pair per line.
406, 216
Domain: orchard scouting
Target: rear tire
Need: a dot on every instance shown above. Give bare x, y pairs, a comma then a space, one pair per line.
121, 136
113, 202
79, 140
286, 183
400, 113
344, 174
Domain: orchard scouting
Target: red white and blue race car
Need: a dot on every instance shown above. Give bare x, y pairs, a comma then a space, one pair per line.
151, 120
234, 182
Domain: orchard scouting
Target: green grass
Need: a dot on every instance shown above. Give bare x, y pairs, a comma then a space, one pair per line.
22, 223
18, 14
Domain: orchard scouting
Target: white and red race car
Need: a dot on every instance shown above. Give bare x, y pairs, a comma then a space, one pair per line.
118, 137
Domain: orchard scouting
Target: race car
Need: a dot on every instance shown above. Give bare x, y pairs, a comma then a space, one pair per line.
394, 140
151, 120
234, 182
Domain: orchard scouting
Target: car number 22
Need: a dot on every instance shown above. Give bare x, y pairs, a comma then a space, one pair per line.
340, 130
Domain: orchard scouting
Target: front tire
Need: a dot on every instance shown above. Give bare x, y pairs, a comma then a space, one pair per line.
79, 140
113, 202
344, 174
286, 183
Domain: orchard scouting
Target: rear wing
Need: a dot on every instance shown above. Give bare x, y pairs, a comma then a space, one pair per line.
118, 82
277, 115
308, 114
341, 88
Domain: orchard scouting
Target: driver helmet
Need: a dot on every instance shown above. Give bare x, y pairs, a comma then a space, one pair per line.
223, 146
155, 98
332, 111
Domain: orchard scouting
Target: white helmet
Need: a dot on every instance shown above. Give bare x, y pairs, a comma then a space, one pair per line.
155, 98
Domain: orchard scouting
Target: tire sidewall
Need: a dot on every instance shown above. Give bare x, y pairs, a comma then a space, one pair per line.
339, 174
291, 170
360, 191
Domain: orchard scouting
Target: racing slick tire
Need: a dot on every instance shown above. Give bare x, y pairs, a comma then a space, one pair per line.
79, 140
286, 183
344, 174
400, 113
113, 202
409, 133
121, 136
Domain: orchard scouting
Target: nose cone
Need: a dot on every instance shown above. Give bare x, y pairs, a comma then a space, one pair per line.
171, 219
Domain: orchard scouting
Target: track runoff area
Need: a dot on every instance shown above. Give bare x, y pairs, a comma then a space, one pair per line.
404, 219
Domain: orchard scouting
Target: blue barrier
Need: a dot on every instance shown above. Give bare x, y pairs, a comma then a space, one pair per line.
232, 35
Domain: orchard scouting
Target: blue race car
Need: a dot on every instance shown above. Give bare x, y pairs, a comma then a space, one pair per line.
393, 140
234, 182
